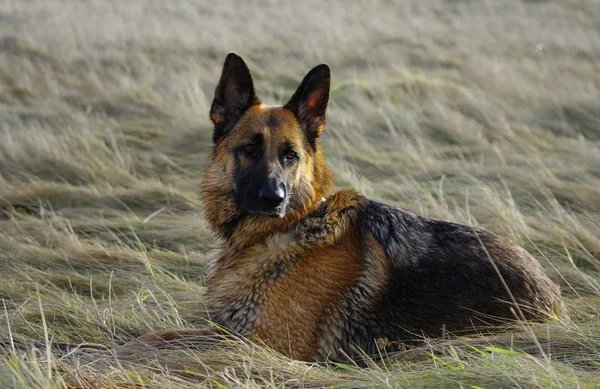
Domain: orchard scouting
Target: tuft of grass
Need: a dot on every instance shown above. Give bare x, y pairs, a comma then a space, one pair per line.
475, 112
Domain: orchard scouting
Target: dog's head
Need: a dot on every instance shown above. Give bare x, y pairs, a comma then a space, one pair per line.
266, 159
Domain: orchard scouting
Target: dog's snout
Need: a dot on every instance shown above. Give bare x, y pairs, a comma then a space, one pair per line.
272, 194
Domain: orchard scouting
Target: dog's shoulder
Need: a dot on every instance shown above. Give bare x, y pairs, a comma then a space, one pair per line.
401, 234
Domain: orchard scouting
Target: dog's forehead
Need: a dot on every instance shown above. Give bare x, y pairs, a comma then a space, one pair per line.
275, 124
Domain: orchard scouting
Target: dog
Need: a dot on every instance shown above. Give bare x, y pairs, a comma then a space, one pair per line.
323, 275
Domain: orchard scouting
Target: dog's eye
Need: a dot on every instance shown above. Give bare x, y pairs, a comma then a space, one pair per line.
291, 155
249, 149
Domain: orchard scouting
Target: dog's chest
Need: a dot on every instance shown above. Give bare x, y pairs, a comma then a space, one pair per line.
280, 290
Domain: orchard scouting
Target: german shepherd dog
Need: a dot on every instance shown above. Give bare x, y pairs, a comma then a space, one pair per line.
318, 274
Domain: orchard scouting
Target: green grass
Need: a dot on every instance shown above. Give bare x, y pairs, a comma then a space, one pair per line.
485, 113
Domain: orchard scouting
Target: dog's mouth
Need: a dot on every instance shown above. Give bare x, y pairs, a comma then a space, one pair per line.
277, 212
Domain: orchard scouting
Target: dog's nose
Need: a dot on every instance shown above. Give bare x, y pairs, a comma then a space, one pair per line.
271, 195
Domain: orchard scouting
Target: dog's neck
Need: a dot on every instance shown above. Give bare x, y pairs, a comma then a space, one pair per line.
247, 230
322, 222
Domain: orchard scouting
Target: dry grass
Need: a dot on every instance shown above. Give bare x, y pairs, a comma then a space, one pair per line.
484, 113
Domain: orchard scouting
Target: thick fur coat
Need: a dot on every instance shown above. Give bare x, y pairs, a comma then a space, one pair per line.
317, 275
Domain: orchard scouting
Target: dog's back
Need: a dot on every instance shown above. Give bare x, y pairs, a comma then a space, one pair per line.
455, 278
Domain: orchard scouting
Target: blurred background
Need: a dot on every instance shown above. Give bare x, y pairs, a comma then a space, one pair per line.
480, 112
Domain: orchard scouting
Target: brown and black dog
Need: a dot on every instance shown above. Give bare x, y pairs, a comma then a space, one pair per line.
318, 274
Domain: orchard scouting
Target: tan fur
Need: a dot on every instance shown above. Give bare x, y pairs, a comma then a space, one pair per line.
293, 308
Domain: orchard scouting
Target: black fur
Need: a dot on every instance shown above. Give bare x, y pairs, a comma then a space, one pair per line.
434, 265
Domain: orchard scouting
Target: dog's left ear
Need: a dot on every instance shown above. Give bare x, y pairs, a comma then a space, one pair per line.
309, 102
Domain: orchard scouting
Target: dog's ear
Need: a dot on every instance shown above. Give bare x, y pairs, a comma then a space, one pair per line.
233, 96
309, 102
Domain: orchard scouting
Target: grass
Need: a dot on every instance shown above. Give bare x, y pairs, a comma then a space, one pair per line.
475, 112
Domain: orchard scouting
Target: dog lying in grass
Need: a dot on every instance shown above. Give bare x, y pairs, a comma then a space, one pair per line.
318, 274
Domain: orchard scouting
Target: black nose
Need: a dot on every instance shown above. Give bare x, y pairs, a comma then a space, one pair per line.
271, 195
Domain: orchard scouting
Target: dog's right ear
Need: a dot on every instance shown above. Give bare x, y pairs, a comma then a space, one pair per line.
233, 96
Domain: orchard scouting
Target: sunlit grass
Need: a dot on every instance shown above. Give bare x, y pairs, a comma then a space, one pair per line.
475, 112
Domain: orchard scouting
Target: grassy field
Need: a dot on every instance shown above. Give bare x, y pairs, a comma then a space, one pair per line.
480, 112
